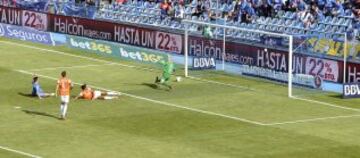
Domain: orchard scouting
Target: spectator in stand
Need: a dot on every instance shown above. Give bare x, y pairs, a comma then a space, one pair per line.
316, 13
301, 5
90, 2
338, 9
206, 5
276, 6
243, 4
305, 17
265, 9
250, 12
180, 11
121, 1
212, 16
290, 5
199, 9
320, 4
328, 8
356, 18
256, 4
165, 7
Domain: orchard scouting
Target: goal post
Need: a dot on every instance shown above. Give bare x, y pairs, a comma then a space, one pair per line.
193, 32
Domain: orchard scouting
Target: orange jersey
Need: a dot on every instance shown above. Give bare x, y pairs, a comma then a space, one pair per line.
87, 94
64, 86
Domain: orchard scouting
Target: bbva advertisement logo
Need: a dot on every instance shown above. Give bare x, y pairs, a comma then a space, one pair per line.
204, 63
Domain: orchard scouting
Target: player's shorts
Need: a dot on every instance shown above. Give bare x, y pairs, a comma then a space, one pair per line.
65, 99
96, 94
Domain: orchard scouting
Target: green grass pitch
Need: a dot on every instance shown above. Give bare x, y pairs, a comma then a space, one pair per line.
197, 119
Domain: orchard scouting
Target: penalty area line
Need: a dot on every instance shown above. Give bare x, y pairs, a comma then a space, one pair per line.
324, 103
158, 102
65, 54
220, 83
311, 120
19, 152
67, 67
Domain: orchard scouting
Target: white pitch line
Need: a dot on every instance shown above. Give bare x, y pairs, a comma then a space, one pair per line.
310, 120
158, 102
66, 54
131, 66
220, 83
327, 104
67, 67
19, 152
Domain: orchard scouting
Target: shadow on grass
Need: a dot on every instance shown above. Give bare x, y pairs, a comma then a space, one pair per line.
151, 85
40, 114
26, 95
337, 96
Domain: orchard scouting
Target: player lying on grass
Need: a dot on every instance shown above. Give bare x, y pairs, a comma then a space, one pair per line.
37, 91
168, 69
89, 94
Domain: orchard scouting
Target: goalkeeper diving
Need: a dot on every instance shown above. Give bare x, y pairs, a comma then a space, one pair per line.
168, 69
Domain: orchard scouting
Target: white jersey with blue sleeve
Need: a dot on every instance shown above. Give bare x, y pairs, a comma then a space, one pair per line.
36, 90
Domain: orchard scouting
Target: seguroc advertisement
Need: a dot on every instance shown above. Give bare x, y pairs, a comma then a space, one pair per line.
25, 34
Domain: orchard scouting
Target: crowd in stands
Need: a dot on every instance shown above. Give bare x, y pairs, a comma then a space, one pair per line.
329, 16
308, 11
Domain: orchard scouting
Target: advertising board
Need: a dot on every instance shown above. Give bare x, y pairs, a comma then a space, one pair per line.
351, 90
168, 42
10, 16
102, 30
25, 34
203, 63
34, 20
117, 50
328, 70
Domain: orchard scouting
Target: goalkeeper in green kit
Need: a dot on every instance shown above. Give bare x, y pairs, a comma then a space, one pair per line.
168, 69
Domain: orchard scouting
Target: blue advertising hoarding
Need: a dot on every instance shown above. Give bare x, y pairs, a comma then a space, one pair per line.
25, 34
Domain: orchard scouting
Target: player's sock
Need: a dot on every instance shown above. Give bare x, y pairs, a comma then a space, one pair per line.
61, 109
109, 97
65, 109
113, 93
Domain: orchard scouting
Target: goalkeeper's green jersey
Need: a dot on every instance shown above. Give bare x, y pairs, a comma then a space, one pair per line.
168, 68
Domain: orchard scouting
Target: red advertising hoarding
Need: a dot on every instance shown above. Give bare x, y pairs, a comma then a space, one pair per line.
169, 42
102, 30
10, 16
35, 20
328, 70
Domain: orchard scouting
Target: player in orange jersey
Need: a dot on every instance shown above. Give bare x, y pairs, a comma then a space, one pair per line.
89, 94
64, 85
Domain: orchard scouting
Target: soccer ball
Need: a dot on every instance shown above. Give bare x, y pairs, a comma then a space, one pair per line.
178, 79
